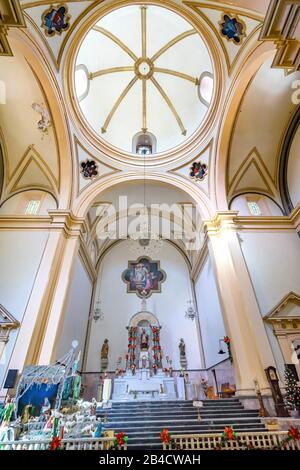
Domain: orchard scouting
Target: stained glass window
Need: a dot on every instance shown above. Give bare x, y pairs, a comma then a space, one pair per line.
254, 208
32, 207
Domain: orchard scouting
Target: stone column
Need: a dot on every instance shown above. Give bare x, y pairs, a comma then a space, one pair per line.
251, 350
4, 335
45, 309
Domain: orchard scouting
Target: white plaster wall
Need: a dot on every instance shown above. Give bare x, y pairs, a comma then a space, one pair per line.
266, 205
210, 314
273, 261
169, 306
293, 175
77, 311
20, 256
17, 204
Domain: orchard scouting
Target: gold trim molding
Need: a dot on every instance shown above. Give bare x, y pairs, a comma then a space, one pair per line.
280, 26
11, 16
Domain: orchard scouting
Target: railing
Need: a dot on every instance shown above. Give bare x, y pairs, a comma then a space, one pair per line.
103, 443
262, 440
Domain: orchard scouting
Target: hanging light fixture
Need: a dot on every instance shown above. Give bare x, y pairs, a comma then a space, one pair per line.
221, 350
148, 242
191, 313
97, 312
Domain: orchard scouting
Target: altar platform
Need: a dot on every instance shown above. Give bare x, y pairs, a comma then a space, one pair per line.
143, 387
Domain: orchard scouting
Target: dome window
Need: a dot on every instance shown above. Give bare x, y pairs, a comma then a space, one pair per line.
144, 144
206, 88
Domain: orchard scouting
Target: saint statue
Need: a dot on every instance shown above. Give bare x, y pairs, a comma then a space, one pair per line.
104, 355
183, 361
46, 406
182, 348
104, 349
144, 341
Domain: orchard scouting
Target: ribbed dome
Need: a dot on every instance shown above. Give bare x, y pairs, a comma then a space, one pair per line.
143, 69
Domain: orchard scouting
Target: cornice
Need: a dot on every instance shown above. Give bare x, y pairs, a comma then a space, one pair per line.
223, 220
230, 220
56, 220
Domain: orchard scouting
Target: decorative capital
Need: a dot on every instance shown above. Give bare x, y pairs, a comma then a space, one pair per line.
223, 220
67, 221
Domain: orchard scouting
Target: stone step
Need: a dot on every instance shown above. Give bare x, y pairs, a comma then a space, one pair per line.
168, 422
192, 429
187, 412
157, 403
194, 416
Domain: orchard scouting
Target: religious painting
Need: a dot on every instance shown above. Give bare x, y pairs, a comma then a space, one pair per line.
198, 171
233, 28
55, 20
143, 277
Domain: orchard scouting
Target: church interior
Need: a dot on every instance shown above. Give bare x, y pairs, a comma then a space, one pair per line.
149, 224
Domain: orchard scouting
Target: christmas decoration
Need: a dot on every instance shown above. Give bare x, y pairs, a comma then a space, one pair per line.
55, 443
292, 395
121, 439
293, 434
165, 436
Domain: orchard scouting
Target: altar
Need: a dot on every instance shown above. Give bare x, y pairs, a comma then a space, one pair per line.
144, 378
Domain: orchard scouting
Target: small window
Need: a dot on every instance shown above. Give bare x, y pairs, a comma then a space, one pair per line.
32, 207
82, 82
206, 88
144, 150
144, 143
254, 208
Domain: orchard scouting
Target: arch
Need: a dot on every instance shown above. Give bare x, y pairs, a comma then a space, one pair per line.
283, 163
144, 315
109, 247
249, 68
260, 193
37, 61
146, 138
87, 197
1, 170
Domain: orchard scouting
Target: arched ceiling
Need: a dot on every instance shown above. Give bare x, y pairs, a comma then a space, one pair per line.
143, 66
30, 155
260, 126
164, 203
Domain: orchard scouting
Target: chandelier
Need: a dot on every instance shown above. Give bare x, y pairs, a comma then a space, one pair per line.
97, 313
191, 313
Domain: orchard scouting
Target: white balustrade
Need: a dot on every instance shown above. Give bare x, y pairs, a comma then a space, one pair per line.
103, 443
258, 440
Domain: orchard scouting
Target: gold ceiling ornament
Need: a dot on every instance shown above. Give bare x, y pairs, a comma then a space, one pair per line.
144, 69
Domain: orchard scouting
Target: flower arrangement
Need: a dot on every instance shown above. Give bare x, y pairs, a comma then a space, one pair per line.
165, 436
227, 341
120, 439
120, 372
55, 444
